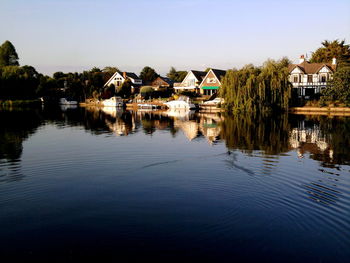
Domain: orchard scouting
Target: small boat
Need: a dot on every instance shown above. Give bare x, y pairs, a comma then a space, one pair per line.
113, 102
181, 103
147, 106
65, 101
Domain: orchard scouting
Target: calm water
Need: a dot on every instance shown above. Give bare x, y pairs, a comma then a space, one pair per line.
78, 184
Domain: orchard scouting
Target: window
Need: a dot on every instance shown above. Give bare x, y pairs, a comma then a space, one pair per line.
323, 78
296, 79
309, 78
211, 80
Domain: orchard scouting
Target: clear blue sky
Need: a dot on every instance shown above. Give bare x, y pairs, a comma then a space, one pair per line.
72, 35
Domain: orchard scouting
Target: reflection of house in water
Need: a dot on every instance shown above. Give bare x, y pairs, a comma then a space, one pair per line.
209, 126
309, 139
193, 127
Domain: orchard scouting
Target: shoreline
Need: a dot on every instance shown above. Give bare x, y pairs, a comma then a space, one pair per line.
326, 111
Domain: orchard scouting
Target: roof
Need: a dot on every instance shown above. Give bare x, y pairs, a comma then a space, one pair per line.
219, 73
131, 75
310, 68
164, 79
200, 75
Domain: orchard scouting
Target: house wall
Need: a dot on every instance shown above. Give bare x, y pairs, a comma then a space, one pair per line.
117, 79
209, 81
189, 83
301, 81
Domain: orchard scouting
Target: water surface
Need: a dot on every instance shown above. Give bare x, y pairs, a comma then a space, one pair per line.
81, 184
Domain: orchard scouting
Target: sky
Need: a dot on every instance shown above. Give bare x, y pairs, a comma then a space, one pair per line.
76, 35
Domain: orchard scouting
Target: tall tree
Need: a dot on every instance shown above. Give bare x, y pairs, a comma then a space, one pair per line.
332, 49
148, 74
8, 54
253, 89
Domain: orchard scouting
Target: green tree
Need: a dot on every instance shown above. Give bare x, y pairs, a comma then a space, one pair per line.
332, 49
147, 91
177, 76
124, 90
8, 54
255, 89
148, 74
338, 88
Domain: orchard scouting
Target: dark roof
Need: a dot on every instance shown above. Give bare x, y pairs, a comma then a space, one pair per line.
310, 68
200, 75
131, 75
219, 73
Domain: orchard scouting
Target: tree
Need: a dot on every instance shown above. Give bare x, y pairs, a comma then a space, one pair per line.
124, 90
148, 74
147, 91
338, 88
254, 89
8, 55
176, 76
332, 49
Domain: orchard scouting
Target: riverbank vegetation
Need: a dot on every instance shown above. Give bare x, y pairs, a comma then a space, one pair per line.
253, 89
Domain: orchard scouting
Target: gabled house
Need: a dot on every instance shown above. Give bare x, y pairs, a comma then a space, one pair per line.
212, 81
118, 79
310, 78
191, 82
162, 82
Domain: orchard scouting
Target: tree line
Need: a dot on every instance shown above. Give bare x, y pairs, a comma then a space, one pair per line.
25, 82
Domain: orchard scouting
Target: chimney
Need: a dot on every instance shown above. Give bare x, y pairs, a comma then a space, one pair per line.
334, 61
301, 59
124, 75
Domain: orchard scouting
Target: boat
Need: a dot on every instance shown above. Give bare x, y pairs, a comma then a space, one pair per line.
147, 106
113, 102
65, 101
182, 102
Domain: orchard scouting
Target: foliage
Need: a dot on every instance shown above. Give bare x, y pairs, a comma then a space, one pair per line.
18, 82
147, 91
8, 55
176, 76
148, 74
339, 88
254, 89
331, 49
124, 90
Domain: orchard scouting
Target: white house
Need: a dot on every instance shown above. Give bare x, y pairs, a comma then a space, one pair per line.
119, 77
310, 78
191, 82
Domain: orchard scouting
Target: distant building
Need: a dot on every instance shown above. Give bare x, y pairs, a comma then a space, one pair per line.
191, 82
310, 78
162, 82
118, 79
212, 81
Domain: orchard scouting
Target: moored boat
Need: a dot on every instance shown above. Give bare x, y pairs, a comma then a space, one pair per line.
113, 102
181, 103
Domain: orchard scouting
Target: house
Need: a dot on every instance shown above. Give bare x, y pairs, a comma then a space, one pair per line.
191, 82
162, 82
118, 79
310, 78
212, 81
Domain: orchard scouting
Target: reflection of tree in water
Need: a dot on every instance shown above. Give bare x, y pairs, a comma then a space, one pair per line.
249, 133
16, 127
